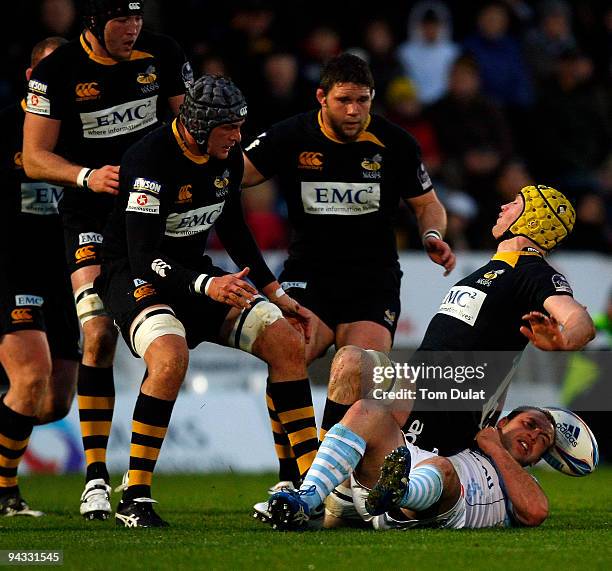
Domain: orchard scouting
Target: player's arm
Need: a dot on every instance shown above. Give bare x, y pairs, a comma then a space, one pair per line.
251, 176
529, 502
40, 162
238, 240
431, 218
568, 327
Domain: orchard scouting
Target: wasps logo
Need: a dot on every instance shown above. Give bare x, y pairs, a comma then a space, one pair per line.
184, 194
310, 160
373, 164
221, 183
488, 278
87, 90
148, 76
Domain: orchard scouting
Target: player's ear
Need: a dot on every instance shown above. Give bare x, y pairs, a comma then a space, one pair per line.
502, 422
28, 73
321, 97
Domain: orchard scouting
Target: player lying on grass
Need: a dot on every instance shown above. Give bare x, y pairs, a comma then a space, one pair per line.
396, 485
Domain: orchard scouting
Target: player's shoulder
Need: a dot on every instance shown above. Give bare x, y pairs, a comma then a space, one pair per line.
63, 59
390, 133
151, 149
300, 123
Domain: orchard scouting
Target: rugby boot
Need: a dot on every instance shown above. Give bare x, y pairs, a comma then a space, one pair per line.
392, 484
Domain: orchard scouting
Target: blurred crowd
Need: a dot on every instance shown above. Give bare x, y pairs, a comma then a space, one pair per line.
499, 94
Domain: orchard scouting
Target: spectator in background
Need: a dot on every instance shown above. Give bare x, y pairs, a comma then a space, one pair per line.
592, 230
380, 46
405, 109
212, 65
281, 94
429, 52
498, 54
573, 124
544, 44
268, 227
461, 210
58, 18
319, 46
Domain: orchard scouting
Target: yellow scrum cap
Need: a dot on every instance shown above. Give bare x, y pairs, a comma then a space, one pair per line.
547, 218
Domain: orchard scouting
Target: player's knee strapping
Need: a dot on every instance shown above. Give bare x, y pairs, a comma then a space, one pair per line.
150, 325
252, 322
88, 303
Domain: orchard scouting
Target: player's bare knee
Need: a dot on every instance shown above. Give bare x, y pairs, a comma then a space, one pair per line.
279, 341
345, 375
99, 342
450, 478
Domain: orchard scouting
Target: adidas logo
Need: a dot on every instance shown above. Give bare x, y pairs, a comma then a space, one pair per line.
569, 432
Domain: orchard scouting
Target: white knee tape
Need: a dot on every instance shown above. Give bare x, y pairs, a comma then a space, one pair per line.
88, 303
251, 322
152, 324
380, 359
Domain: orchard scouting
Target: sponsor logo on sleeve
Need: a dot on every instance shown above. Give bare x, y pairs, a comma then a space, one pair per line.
561, 284
145, 290
85, 254
40, 198
340, 198
120, 119
423, 177
21, 316
144, 203
38, 104
185, 195
38, 86
90, 238
144, 184
139, 282
463, 303
28, 299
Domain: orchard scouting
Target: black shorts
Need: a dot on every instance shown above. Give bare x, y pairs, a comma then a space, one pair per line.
84, 215
40, 298
346, 298
124, 297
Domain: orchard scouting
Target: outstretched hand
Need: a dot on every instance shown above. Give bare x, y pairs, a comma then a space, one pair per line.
440, 253
544, 332
232, 289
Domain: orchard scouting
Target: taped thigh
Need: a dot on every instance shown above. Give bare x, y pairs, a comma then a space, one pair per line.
151, 324
88, 303
252, 321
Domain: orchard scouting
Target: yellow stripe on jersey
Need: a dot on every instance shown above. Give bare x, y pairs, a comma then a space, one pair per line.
135, 55
512, 258
198, 159
364, 136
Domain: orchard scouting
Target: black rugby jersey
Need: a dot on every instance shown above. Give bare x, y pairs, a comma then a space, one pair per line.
483, 312
341, 197
170, 199
105, 106
30, 220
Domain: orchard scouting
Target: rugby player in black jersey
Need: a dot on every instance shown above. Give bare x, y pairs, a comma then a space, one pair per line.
39, 330
514, 299
166, 296
343, 172
86, 105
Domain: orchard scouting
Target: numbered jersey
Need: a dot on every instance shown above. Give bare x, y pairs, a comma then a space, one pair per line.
341, 197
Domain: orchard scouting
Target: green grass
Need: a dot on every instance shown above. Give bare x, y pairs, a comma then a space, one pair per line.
211, 528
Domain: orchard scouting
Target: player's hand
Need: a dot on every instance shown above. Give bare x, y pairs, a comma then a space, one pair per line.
488, 439
440, 253
232, 289
544, 332
299, 317
104, 179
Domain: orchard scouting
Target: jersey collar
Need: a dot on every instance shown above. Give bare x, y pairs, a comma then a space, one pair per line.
198, 159
136, 54
365, 135
512, 258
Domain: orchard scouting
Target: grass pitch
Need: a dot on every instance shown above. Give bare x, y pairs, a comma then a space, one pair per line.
212, 529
